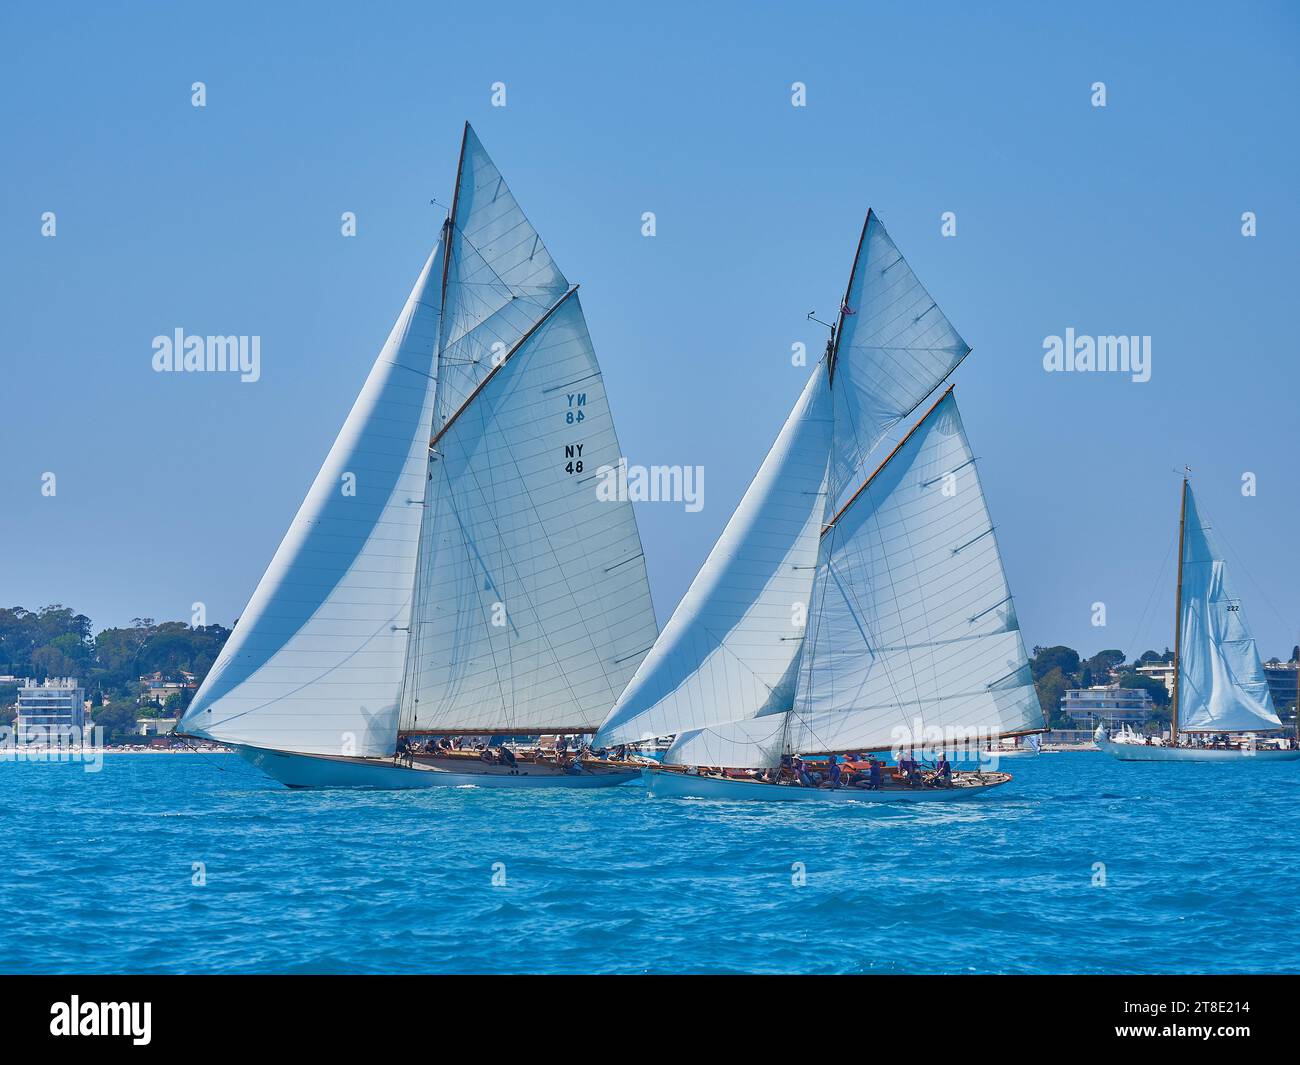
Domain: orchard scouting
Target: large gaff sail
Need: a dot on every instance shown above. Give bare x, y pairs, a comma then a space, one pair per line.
315, 662
912, 634
533, 606
893, 346
500, 279
1221, 681
731, 647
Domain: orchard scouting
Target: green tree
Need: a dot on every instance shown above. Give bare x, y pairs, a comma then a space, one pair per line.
1051, 688
1159, 693
1104, 661
1046, 659
118, 721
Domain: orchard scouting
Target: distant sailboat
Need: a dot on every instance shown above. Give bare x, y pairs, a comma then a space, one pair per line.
452, 570
1013, 748
836, 615
1220, 689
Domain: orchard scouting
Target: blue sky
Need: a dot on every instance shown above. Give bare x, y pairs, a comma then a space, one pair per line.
175, 488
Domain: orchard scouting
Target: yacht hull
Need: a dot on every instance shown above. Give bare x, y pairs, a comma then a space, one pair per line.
663, 783
1140, 752
329, 771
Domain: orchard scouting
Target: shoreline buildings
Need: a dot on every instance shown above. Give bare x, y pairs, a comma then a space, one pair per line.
49, 709
1109, 705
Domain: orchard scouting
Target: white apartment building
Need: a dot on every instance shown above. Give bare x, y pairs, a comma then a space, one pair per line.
1161, 671
49, 709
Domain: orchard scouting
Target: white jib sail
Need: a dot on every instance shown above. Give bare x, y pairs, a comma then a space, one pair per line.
1221, 681
912, 634
500, 278
894, 347
315, 662
730, 648
533, 606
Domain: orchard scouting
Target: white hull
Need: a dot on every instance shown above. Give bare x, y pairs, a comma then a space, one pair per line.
1141, 752
663, 783
328, 771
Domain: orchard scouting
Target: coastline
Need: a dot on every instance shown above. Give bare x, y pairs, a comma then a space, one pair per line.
56, 752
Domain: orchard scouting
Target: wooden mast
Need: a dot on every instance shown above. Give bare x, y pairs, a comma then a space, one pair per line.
1178, 616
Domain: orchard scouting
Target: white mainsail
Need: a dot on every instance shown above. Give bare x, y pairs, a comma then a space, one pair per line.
731, 647
1221, 682
315, 662
892, 348
534, 602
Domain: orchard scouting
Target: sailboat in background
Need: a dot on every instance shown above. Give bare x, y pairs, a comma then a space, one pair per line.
836, 615
1220, 689
452, 570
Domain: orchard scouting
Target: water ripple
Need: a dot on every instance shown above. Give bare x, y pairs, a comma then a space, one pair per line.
1082, 865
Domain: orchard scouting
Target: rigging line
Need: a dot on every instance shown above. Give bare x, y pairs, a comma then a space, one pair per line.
884, 659
506, 358
409, 686
1240, 563
307, 683
519, 580
912, 410
806, 650
198, 750
415, 630
415, 640
833, 353
449, 226
475, 563
917, 575
897, 448
720, 644
866, 487
850, 595
477, 251
611, 685
567, 587
1159, 581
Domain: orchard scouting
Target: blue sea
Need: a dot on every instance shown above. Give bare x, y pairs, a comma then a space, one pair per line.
1081, 864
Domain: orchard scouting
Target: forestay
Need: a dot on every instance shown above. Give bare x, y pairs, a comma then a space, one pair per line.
533, 603
315, 662
1221, 681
